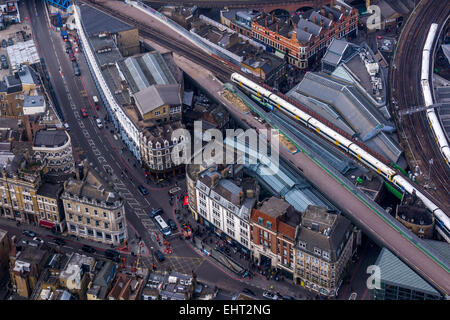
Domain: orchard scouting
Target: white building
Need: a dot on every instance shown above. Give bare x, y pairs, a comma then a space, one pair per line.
225, 201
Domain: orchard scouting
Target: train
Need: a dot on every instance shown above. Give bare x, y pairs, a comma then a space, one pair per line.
433, 120
267, 97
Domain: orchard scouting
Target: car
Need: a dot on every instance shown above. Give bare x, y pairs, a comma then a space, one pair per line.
4, 43
72, 57
66, 125
69, 50
3, 57
174, 190
159, 255
38, 239
60, 242
142, 190
172, 225
87, 248
5, 65
29, 233
84, 112
270, 295
10, 42
248, 291
156, 212
99, 123
286, 297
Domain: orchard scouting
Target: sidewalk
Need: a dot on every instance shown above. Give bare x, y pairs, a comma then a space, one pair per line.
235, 263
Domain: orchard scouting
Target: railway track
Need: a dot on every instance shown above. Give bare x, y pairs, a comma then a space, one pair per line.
418, 140
223, 72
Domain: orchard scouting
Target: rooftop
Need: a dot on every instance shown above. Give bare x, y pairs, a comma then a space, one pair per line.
96, 22
325, 231
353, 108
33, 101
50, 138
147, 69
50, 190
156, 96
395, 272
91, 188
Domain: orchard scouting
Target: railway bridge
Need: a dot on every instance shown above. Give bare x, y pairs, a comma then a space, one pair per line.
266, 6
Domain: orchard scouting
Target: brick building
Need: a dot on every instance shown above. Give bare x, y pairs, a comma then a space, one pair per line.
304, 38
273, 228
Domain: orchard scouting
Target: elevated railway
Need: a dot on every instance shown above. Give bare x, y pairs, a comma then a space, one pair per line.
408, 248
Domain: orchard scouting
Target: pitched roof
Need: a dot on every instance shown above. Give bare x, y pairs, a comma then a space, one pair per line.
157, 95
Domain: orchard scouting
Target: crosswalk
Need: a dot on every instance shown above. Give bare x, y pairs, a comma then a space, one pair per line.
137, 208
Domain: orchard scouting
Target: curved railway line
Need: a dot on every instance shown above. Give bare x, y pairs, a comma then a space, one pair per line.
417, 139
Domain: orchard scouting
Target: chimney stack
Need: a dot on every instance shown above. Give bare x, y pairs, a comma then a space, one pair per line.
315, 19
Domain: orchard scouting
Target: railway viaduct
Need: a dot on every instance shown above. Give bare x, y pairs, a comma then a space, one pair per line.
267, 6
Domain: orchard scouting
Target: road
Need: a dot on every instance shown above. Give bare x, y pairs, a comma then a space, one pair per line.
105, 153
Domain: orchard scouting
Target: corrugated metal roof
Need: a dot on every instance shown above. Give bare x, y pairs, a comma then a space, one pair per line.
395, 272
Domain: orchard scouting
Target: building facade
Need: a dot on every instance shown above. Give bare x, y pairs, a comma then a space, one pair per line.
273, 228
53, 148
323, 249
18, 189
51, 211
4, 253
225, 201
93, 211
303, 39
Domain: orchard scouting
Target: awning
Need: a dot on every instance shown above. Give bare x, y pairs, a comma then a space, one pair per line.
46, 224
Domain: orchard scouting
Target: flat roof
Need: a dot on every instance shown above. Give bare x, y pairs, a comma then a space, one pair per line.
50, 138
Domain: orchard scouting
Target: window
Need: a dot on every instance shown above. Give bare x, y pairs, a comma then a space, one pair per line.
68, 206
90, 232
95, 212
97, 223
105, 215
86, 210
99, 234
79, 219
260, 221
268, 224
120, 225
88, 220
302, 244
106, 225
72, 227
107, 236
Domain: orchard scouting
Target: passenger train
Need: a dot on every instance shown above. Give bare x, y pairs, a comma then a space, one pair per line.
433, 120
267, 97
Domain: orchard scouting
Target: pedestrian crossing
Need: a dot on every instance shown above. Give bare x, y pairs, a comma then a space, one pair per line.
137, 208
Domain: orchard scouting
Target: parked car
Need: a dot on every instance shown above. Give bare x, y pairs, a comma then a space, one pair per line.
270, 295
60, 242
68, 46
84, 112
76, 68
87, 249
99, 123
69, 50
172, 225
156, 212
159, 255
4, 43
142, 190
38, 239
10, 42
3, 57
66, 125
5, 65
72, 57
29, 233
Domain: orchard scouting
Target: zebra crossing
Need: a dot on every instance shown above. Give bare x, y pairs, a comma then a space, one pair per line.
137, 208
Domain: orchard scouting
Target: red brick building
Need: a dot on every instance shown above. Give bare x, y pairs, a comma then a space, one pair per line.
273, 229
305, 37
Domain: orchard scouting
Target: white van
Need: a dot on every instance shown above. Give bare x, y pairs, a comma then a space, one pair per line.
66, 125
